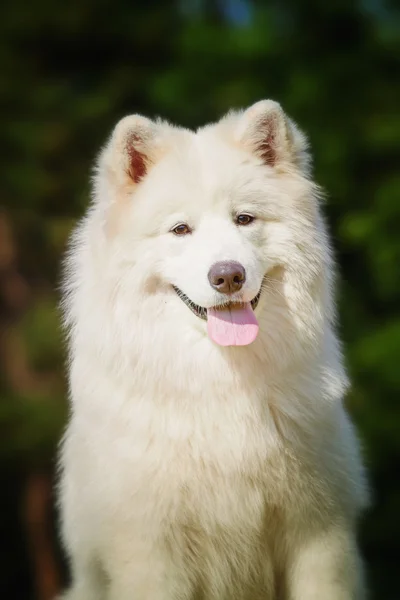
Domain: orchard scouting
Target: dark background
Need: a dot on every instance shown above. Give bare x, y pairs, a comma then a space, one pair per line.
68, 72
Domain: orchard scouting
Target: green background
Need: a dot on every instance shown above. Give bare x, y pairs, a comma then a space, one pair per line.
68, 72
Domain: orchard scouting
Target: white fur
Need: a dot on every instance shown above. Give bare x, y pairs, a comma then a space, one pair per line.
192, 471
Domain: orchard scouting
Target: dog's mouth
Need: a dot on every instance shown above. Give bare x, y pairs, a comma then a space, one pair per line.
201, 312
228, 324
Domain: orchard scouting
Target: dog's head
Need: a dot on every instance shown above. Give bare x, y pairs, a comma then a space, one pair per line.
218, 230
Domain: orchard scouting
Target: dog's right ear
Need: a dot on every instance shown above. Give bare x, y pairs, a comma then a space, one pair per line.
132, 149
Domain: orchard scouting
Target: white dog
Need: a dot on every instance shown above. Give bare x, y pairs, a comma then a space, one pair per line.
208, 454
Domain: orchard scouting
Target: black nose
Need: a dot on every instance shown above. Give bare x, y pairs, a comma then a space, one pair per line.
227, 277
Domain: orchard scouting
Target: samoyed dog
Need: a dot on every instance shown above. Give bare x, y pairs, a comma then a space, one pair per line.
208, 454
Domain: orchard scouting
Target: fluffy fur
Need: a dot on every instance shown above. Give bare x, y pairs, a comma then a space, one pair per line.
192, 471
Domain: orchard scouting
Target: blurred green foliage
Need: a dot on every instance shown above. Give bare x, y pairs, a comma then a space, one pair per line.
68, 71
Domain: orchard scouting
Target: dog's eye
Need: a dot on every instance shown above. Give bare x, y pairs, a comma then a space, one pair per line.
244, 219
181, 229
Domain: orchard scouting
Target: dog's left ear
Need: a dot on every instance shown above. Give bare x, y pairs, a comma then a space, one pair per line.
265, 130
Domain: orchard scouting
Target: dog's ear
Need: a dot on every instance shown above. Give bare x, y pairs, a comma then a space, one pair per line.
133, 147
265, 130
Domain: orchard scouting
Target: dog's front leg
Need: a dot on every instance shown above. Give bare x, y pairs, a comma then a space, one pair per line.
145, 584
89, 582
326, 566
146, 573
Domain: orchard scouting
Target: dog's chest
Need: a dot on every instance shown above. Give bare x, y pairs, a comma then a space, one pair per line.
217, 454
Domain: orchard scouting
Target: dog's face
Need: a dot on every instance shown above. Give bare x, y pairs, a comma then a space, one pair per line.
219, 227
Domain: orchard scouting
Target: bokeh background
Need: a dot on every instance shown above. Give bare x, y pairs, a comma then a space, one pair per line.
68, 72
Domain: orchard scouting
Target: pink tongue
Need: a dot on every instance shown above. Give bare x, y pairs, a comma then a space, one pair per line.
232, 326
